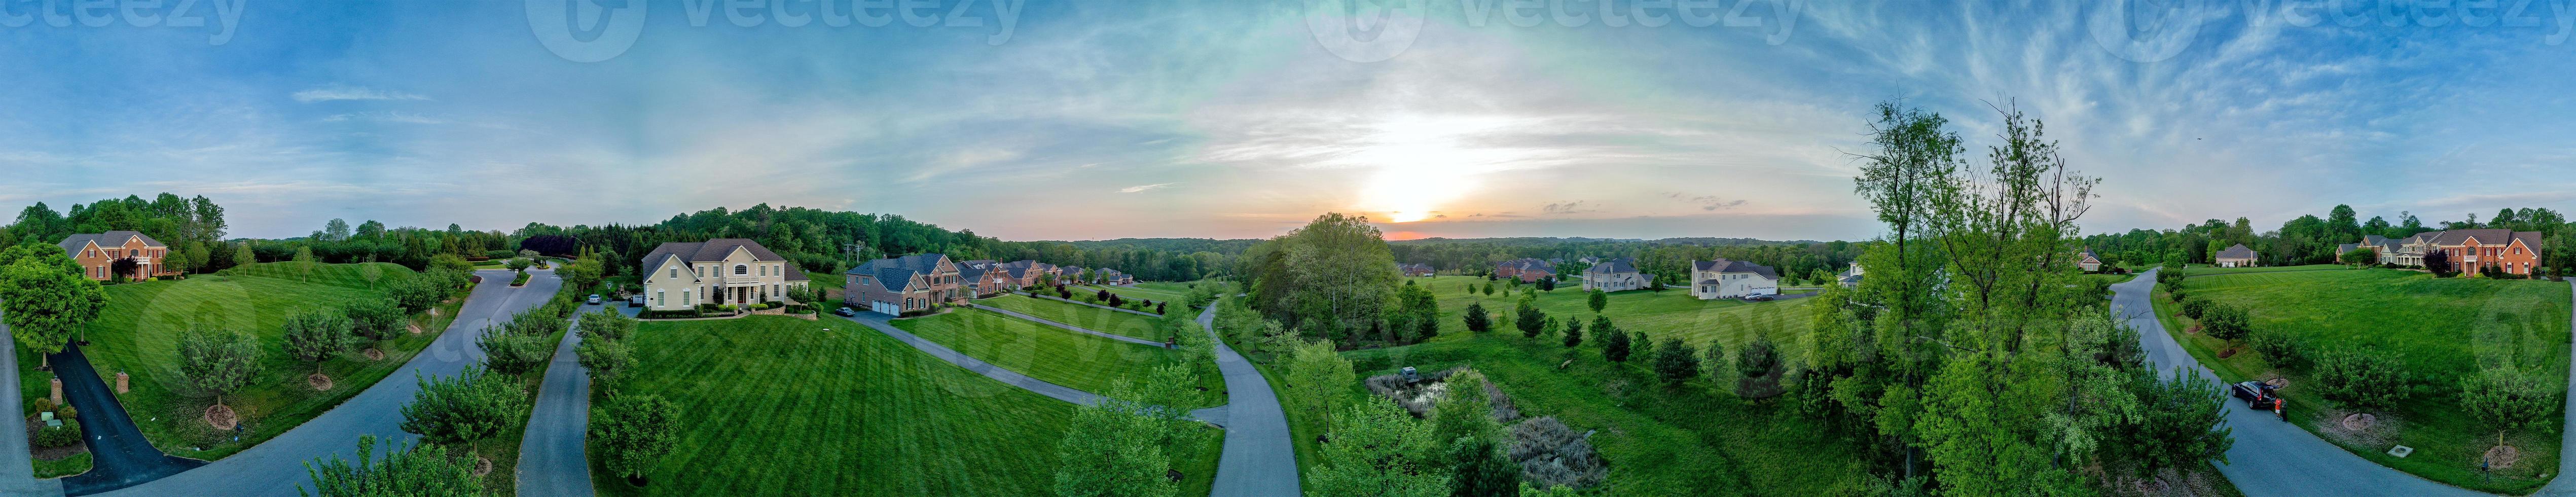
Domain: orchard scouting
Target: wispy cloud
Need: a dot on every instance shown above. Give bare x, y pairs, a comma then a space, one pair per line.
330, 93
1141, 188
384, 117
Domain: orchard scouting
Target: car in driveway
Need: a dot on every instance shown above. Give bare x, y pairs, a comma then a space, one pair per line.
1759, 298
2256, 394
847, 312
594, 299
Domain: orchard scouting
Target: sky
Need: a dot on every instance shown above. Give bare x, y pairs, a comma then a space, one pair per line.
1235, 119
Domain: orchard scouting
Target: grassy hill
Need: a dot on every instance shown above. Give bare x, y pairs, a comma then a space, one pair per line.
1671, 313
139, 332
1056, 355
1087, 317
778, 406
2447, 329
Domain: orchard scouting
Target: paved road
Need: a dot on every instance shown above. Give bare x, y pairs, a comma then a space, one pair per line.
2270, 457
880, 323
2567, 436
1112, 336
119, 455
1258, 459
551, 457
277, 466
17, 475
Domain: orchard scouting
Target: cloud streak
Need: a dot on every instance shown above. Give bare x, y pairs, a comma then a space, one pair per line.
331, 93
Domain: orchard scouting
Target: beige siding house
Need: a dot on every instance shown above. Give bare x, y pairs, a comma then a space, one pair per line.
735, 271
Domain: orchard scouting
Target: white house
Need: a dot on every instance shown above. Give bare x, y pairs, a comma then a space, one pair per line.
1725, 279
681, 275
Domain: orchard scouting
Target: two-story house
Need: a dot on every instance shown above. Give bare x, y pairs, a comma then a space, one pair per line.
1414, 269
1528, 270
735, 271
1726, 279
2508, 251
97, 254
1026, 272
1615, 275
983, 277
899, 285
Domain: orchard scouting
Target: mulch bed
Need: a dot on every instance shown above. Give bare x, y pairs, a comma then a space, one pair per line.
482, 465
2360, 422
319, 381
373, 354
221, 417
2223, 354
2191, 330
35, 424
2502, 456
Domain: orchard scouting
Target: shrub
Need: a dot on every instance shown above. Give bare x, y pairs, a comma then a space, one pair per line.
41, 404
2281, 348
2361, 379
2225, 322
2195, 307
58, 436
1676, 361
1552, 454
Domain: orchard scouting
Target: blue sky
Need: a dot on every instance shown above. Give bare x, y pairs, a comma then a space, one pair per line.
1092, 120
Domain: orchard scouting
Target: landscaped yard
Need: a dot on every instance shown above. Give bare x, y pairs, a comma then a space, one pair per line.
1139, 293
1087, 317
1666, 314
138, 334
2446, 328
778, 406
1056, 355
2198, 270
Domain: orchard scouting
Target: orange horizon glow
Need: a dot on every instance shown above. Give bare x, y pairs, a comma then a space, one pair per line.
1405, 235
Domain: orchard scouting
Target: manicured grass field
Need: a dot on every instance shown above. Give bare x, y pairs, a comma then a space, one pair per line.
1088, 317
1167, 287
139, 332
1671, 313
1056, 355
1141, 293
2446, 328
778, 406
2215, 270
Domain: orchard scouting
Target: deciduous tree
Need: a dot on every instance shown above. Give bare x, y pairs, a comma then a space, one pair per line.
45, 298
421, 471
317, 336
2506, 399
634, 432
466, 408
217, 361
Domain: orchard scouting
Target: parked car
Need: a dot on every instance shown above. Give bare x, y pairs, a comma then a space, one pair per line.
1759, 298
636, 301
594, 299
845, 311
2257, 394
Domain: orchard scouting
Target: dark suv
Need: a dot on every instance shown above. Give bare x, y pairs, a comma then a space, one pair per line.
2257, 394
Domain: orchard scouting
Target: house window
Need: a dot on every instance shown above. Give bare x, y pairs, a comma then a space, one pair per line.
685, 299
675, 273
740, 270
661, 299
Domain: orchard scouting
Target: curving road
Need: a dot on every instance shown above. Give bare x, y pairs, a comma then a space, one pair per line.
2270, 457
1258, 459
277, 466
17, 474
552, 459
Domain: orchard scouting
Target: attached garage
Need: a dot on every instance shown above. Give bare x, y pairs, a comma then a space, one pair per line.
886, 308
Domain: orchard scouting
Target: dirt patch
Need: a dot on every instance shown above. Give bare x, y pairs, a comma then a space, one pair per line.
2191, 330
2502, 456
222, 417
482, 465
2223, 354
373, 354
2277, 382
319, 381
415, 327
2359, 422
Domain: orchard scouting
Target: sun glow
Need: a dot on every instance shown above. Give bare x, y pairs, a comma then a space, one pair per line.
1425, 163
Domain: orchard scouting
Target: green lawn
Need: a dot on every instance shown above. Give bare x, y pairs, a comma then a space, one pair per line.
1180, 288
1087, 317
782, 407
1141, 293
2446, 328
138, 334
1056, 355
2215, 270
1671, 313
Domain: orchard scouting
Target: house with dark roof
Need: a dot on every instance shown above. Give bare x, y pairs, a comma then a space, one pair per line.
1027, 272
1528, 270
900, 285
1615, 275
2477, 250
2087, 261
98, 254
2235, 256
1114, 277
983, 278
730, 271
1415, 269
1729, 279
1071, 275
1850, 277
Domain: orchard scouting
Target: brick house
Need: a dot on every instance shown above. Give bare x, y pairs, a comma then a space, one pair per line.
985, 278
904, 284
1070, 275
1414, 269
1025, 273
736, 271
2512, 252
98, 253
2087, 261
1526, 269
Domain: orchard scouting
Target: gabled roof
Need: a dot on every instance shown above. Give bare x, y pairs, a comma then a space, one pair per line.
2374, 240
2236, 252
108, 239
2087, 256
2347, 247
711, 251
896, 274
1728, 266
1619, 265
2485, 236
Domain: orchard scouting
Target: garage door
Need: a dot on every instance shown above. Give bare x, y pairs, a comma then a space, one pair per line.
885, 308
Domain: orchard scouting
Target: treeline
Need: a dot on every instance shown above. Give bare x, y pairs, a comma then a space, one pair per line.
340, 243
828, 242
192, 227
1668, 259
2310, 239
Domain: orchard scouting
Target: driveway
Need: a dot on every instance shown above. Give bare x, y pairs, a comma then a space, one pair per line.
277, 466
551, 457
17, 475
1258, 459
2270, 457
119, 455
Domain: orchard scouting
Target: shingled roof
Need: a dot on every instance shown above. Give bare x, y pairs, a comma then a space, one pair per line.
1619, 265
896, 274
2486, 236
1731, 266
709, 251
108, 239
2236, 252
